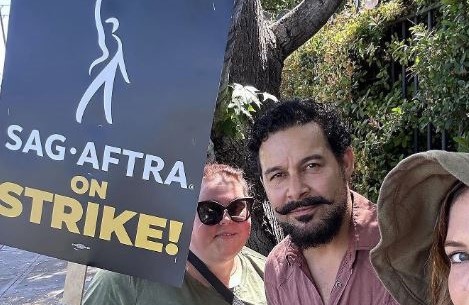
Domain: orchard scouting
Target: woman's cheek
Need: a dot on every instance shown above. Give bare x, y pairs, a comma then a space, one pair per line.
458, 283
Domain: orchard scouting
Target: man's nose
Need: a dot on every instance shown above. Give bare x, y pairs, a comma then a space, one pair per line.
297, 188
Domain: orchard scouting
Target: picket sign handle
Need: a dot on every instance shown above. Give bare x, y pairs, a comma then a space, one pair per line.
74, 284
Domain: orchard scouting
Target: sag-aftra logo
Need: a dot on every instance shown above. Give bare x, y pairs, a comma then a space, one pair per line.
106, 77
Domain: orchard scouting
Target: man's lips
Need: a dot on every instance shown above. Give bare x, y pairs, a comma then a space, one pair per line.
303, 210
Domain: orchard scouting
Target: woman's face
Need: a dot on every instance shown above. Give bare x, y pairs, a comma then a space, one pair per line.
457, 249
220, 242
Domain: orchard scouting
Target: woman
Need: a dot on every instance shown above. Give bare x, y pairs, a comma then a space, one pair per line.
423, 215
450, 250
221, 228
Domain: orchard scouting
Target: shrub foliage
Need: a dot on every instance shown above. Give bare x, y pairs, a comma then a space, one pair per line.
353, 61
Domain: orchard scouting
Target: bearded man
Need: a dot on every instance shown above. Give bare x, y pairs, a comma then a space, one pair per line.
305, 162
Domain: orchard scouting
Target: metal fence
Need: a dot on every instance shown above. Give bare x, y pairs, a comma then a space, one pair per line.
430, 139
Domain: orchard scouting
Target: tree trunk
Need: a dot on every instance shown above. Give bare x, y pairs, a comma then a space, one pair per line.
255, 54
252, 57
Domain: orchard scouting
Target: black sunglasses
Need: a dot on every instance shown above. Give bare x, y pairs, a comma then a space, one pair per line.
211, 212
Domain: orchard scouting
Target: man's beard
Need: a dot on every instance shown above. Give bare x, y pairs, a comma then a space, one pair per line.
325, 230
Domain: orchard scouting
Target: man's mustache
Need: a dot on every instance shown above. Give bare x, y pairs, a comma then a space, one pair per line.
306, 202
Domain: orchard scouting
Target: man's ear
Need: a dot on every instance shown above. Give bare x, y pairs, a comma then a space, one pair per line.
348, 161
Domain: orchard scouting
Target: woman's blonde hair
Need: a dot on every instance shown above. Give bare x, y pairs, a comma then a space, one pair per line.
212, 169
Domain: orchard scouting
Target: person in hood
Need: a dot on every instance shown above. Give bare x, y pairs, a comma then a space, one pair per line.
423, 216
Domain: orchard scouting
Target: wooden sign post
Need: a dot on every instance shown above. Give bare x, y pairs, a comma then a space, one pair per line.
74, 284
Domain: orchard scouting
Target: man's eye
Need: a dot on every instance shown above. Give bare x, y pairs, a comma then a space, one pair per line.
312, 165
458, 257
276, 176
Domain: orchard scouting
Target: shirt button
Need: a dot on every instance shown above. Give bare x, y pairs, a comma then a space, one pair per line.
338, 284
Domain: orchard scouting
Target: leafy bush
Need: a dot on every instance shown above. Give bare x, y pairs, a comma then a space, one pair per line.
439, 57
234, 112
350, 63
278, 6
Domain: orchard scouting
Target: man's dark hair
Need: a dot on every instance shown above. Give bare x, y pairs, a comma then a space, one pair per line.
287, 114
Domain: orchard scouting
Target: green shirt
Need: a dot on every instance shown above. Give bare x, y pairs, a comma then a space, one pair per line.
110, 288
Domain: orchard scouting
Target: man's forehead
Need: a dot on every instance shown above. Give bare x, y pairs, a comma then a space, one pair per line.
299, 139
310, 133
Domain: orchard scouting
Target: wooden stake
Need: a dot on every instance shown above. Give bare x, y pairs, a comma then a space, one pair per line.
74, 284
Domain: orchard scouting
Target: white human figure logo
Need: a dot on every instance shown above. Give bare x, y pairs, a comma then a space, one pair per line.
107, 75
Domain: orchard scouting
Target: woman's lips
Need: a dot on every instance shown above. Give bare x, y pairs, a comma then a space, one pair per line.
226, 235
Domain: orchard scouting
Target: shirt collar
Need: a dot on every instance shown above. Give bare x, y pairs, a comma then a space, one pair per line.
365, 223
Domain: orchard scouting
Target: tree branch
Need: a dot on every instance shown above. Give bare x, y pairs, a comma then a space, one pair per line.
301, 23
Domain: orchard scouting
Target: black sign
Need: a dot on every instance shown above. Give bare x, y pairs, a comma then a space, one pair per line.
105, 113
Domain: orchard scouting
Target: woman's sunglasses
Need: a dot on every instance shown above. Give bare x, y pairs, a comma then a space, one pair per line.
211, 212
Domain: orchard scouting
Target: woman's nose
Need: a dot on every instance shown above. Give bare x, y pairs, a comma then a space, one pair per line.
226, 217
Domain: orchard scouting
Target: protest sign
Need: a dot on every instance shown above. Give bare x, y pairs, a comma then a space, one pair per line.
105, 115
